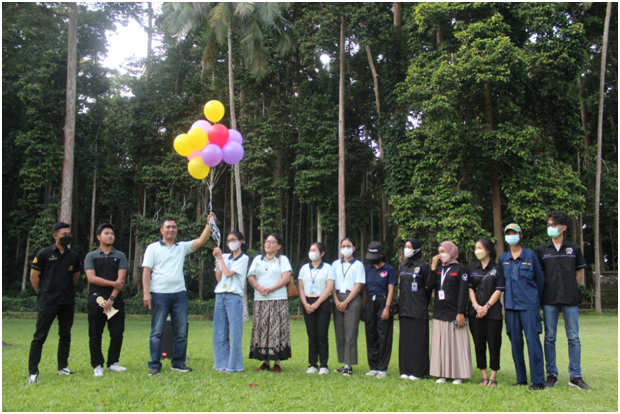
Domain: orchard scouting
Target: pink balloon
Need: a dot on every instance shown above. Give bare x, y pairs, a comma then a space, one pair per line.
218, 135
202, 124
232, 153
235, 136
194, 154
211, 155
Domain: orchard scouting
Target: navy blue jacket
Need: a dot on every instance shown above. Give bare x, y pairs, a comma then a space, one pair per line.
524, 280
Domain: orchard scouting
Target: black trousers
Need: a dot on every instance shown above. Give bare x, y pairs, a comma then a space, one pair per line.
45, 318
97, 320
413, 356
379, 334
317, 327
486, 331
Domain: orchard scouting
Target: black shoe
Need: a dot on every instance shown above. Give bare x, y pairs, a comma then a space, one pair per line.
182, 368
536, 387
341, 370
579, 383
347, 372
519, 384
154, 371
551, 380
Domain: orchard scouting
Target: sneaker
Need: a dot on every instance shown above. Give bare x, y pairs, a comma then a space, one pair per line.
372, 373
404, 376
579, 383
98, 371
182, 368
33, 378
341, 370
154, 371
536, 387
347, 372
441, 381
412, 378
381, 374
277, 369
519, 384
116, 367
64, 371
323, 371
551, 380
457, 381
311, 370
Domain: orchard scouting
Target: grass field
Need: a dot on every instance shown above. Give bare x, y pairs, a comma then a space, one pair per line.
293, 390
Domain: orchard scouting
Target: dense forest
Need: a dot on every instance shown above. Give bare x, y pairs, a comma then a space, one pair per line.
456, 119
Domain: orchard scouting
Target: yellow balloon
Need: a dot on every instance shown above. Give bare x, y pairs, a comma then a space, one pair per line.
197, 138
181, 145
197, 168
214, 111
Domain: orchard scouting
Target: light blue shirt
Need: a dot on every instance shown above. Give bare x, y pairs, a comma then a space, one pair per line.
347, 274
166, 264
316, 276
268, 273
234, 284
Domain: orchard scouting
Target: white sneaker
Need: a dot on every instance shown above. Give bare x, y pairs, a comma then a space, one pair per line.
457, 381
323, 371
412, 378
382, 374
98, 371
372, 373
404, 376
116, 367
441, 381
311, 370
33, 378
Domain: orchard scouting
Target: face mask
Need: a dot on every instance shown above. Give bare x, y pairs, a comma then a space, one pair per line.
445, 257
512, 239
314, 256
553, 232
408, 252
347, 251
233, 246
65, 240
480, 253
374, 261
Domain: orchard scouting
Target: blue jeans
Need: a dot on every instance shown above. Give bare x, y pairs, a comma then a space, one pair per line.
176, 305
528, 322
571, 323
227, 327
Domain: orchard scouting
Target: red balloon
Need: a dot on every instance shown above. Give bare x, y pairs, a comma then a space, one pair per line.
218, 135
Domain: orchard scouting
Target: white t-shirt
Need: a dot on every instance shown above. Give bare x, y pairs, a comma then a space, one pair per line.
315, 279
234, 284
347, 274
166, 264
268, 273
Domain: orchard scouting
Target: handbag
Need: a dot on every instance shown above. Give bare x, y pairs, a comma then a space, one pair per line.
291, 289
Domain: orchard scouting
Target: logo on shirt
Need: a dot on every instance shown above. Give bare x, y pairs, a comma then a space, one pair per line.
416, 270
384, 274
493, 272
35, 260
464, 277
71, 268
569, 250
53, 258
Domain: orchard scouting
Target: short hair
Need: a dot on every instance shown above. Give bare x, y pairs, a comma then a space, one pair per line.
558, 217
102, 227
59, 226
277, 237
165, 220
490, 247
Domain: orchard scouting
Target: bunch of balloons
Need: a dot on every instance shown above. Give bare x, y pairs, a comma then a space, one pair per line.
207, 145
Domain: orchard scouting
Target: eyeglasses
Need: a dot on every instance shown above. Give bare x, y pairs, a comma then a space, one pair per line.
271, 242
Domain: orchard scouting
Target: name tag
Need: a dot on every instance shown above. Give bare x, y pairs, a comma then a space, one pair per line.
343, 287
414, 286
313, 292
225, 283
442, 295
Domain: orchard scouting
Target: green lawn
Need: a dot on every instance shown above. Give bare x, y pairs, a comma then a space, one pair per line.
293, 390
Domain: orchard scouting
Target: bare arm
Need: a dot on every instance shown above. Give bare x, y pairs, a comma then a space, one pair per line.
35, 279
328, 291
117, 284
200, 241
146, 286
580, 276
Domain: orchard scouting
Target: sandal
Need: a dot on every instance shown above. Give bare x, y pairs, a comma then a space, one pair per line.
492, 383
483, 382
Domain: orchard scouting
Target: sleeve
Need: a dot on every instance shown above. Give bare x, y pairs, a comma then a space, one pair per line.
463, 290
252, 271
540, 250
39, 261
240, 266
392, 277
330, 273
501, 282
360, 273
78, 266
149, 257
89, 262
123, 261
470, 280
538, 275
429, 281
285, 265
187, 247
580, 261
302, 273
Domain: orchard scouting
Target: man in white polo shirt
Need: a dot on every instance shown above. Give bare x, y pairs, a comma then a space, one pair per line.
165, 293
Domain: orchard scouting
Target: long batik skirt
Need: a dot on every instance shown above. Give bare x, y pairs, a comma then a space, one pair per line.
271, 334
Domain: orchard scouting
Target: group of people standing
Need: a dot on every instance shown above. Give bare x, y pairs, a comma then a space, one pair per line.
346, 289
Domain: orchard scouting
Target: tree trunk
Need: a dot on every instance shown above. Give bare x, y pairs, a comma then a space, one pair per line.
25, 273
342, 231
92, 204
67, 168
149, 42
232, 203
301, 209
597, 192
398, 22
318, 224
201, 278
233, 125
494, 178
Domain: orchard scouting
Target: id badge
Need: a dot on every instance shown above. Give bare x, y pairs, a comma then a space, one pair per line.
442, 295
225, 284
414, 286
313, 291
343, 287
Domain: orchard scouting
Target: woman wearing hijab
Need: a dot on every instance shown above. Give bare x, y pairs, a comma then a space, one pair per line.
450, 352
415, 294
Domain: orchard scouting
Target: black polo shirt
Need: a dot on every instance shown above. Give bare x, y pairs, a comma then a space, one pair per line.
378, 280
485, 282
106, 266
414, 303
456, 290
56, 280
560, 268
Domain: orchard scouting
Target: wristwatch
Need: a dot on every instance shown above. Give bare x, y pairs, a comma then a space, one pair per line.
112, 298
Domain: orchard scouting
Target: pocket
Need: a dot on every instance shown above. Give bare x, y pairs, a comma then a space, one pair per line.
526, 271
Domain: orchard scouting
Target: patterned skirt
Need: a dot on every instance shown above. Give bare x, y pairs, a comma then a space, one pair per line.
271, 334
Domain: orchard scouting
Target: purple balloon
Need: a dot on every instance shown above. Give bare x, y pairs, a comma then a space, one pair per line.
202, 124
233, 152
211, 155
235, 136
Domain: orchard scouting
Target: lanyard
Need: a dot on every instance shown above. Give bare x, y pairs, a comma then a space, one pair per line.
316, 274
444, 272
344, 274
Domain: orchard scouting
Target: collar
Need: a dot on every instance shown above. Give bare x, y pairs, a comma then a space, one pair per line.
99, 251
490, 266
162, 243
342, 261
264, 255
312, 267
551, 244
378, 268
234, 259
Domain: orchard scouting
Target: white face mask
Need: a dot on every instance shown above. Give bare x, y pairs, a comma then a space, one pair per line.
233, 246
408, 252
347, 251
314, 256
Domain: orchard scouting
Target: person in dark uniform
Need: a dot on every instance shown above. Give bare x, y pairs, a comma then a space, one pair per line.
54, 273
106, 270
415, 294
486, 284
562, 263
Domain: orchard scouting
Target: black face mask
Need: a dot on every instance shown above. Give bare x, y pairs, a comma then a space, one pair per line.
65, 240
374, 261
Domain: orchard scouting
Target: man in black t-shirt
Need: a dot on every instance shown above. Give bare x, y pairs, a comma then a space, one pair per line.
106, 270
54, 272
